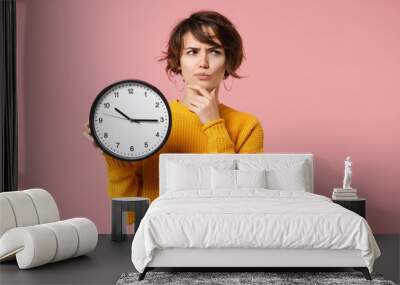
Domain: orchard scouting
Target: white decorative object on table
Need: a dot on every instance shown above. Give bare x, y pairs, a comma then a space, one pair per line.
347, 192
347, 174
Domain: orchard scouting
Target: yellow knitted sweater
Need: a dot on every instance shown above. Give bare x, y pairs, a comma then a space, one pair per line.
234, 132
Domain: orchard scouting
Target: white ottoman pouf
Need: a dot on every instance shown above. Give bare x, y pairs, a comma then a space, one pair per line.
7, 219
32, 246
87, 235
31, 232
45, 206
41, 244
67, 240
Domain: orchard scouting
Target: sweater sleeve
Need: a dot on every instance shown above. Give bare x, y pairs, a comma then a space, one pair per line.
124, 178
252, 140
219, 140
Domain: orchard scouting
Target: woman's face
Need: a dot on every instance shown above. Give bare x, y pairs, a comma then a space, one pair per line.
202, 64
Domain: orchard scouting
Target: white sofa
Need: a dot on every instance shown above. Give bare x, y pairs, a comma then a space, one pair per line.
31, 231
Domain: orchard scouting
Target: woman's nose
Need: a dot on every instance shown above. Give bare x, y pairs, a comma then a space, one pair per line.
203, 61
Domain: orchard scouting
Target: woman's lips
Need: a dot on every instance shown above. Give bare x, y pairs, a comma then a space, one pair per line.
203, 77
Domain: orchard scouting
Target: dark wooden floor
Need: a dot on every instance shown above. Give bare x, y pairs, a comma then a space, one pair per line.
110, 260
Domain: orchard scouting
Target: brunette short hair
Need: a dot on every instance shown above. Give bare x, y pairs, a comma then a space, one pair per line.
223, 29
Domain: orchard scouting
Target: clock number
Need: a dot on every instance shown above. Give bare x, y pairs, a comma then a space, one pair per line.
157, 104
117, 144
162, 119
132, 148
105, 135
145, 94
100, 120
130, 90
157, 134
146, 144
106, 105
116, 94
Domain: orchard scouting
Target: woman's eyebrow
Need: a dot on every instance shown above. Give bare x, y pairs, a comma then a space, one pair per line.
196, 48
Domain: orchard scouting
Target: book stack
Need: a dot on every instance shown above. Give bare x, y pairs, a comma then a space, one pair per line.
344, 194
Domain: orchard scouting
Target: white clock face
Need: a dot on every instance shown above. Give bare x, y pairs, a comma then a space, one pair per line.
130, 120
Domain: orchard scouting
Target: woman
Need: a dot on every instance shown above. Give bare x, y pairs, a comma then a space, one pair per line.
204, 49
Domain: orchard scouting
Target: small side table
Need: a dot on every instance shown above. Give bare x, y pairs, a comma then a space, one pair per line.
357, 205
120, 206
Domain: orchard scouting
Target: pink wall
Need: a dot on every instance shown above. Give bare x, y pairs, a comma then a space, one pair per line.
322, 76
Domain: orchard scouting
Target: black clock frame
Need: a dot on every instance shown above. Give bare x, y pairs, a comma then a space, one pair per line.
106, 90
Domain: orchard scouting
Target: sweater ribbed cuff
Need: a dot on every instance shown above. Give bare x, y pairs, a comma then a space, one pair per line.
212, 123
219, 140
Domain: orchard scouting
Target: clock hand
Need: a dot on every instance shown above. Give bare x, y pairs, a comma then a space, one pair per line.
135, 120
114, 116
145, 120
132, 120
116, 109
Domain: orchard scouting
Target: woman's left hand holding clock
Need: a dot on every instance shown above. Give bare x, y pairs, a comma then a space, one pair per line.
87, 134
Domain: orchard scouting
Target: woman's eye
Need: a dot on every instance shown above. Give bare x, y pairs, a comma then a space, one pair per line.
192, 52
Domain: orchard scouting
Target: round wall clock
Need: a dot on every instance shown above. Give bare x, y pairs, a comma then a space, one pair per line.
130, 120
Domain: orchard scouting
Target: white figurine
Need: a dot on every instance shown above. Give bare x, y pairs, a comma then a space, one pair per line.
347, 174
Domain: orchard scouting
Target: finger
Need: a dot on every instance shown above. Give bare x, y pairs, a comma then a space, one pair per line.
87, 128
200, 90
96, 146
212, 93
200, 106
89, 137
87, 131
199, 100
194, 92
194, 109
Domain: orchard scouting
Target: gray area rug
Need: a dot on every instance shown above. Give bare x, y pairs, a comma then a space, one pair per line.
270, 278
